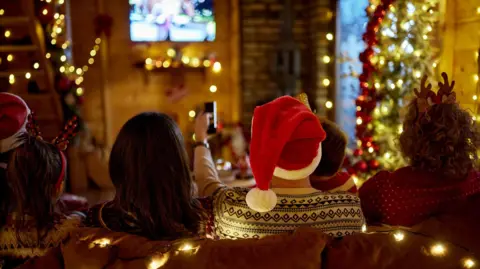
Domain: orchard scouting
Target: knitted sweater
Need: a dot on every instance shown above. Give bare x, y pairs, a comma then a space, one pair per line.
336, 214
341, 181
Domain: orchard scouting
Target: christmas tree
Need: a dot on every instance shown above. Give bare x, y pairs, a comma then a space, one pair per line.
398, 52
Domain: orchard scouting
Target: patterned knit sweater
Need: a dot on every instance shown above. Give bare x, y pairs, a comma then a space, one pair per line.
336, 214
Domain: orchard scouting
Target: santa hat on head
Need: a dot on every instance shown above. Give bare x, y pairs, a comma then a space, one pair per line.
286, 142
13, 120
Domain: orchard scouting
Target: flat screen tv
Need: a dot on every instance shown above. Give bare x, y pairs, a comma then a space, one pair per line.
172, 20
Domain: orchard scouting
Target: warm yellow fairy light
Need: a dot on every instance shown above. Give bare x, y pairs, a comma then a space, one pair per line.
45, 12
79, 71
328, 104
217, 67
425, 37
417, 53
28, 75
417, 74
329, 36
56, 16
96, 47
59, 30
48, 55
60, 2
63, 58
400, 129
2, 12
387, 155
326, 59
91, 61
192, 114
166, 64
158, 64
429, 28
185, 59
392, 86
8, 33
36, 65
71, 69
54, 41
468, 263
438, 250
359, 121
195, 62
475, 77
207, 63
370, 150
148, 61
377, 85
9, 57
326, 82
434, 65
475, 97
213, 88
359, 108
85, 68
171, 53
62, 69
399, 236
93, 53
400, 83
98, 40
186, 247
79, 80
79, 91
11, 79
48, 1
64, 46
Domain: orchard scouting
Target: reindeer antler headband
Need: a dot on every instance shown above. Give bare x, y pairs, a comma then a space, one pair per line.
427, 98
61, 141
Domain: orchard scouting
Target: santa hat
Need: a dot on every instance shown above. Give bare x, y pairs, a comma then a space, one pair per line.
286, 142
13, 120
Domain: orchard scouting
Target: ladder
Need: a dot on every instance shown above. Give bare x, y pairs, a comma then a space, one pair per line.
24, 68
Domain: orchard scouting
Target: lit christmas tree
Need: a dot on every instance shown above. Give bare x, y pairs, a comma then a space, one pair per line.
398, 52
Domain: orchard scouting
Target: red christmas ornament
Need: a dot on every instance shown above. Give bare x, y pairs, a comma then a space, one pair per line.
374, 164
361, 166
357, 152
352, 171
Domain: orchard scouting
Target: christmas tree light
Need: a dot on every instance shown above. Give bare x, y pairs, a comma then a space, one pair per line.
398, 53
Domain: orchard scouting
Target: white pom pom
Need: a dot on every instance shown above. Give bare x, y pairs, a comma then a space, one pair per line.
261, 201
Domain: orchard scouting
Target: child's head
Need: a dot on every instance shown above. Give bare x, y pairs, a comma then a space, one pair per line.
438, 135
35, 175
333, 150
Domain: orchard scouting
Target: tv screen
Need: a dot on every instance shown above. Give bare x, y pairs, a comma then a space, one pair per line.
172, 20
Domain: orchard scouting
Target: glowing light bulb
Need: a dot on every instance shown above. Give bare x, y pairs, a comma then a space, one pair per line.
213, 88
63, 58
45, 12
56, 16
468, 263
370, 149
8, 33
28, 75
217, 67
185, 59
400, 83
93, 53
186, 247
79, 80
148, 61
475, 97
61, 2
85, 68
475, 77
64, 46
79, 91
438, 250
48, 55
98, 40
171, 53
364, 228
91, 61
387, 155
54, 41
326, 59
417, 74
400, 129
359, 121
48, 1
79, 71
377, 85
207, 63
59, 30
96, 47
359, 108
328, 104
2, 12
71, 69
11, 79
9, 57
399, 236
192, 114
158, 64
329, 36
326, 82
392, 86
434, 65
478, 10
425, 37
62, 69
166, 64
429, 28
195, 62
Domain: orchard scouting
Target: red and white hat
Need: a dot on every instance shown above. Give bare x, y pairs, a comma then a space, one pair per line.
13, 120
286, 143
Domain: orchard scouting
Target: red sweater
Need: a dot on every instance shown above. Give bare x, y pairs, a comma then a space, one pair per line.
339, 182
407, 197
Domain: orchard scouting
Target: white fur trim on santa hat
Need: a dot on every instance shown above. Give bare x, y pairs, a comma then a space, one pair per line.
261, 201
301, 173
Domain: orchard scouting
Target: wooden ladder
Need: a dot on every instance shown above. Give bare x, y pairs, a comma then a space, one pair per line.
23, 63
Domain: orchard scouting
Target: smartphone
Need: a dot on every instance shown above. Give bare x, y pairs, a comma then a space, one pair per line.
211, 107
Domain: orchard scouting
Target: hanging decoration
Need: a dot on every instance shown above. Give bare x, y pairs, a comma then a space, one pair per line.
174, 58
398, 51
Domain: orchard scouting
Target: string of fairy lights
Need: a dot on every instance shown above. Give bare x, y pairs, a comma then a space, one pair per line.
57, 32
435, 250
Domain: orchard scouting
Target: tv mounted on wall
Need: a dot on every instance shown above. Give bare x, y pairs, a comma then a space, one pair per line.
172, 20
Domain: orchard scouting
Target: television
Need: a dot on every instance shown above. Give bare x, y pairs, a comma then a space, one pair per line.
172, 20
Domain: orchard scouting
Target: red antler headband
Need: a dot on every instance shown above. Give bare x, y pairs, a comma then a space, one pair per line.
427, 98
61, 141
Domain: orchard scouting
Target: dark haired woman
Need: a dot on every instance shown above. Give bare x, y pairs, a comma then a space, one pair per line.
154, 189
32, 221
440, 140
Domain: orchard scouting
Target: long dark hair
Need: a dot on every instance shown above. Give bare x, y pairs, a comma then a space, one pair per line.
149, 168
33, 171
